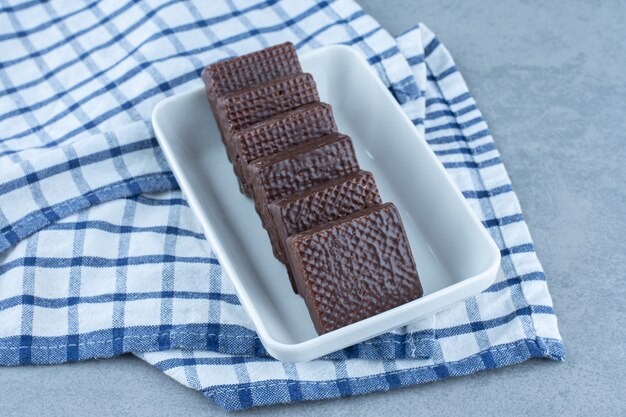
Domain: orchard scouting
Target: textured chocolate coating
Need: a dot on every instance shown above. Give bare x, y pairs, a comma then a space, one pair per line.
354, 268
303, 166
254, 68
243, 108
299, 168
245, 71
321, 204
280, 132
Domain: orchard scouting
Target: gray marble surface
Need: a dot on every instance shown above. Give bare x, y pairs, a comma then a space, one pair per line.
549, 78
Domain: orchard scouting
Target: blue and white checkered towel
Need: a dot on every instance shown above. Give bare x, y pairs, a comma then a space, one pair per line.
100, 254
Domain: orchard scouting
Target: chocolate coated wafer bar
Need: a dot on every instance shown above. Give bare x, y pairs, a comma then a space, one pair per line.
243, 108
354, 268
322, 204
247, 70
278, 133
299, 168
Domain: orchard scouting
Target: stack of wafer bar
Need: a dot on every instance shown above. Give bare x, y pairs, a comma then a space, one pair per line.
346, 252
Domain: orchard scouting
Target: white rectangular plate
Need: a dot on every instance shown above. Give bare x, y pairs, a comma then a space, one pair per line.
455, 256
